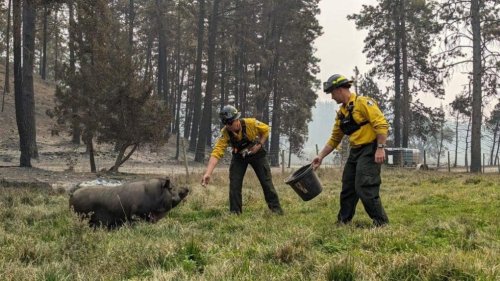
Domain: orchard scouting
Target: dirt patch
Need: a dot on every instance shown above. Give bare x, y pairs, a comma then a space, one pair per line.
52, 168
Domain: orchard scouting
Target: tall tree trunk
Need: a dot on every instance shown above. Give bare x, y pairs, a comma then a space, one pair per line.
131, 19
75, 126
223, 54
397, 76
25, 160
274, 150
56, 47
498, 150
495, 132
223, 94
264, 76
237, 59
356, 79
162, 56
245, 83
178, 114
456, 138
237, 80
7, 43
440, 150
179, 79
205, 131
29, 20
467, 145
238, 74
43, 69
477, 71
289, 158
197, 80
406, 94
189, 103
173, 90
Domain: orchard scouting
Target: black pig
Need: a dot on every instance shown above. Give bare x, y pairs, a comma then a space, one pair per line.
112, 206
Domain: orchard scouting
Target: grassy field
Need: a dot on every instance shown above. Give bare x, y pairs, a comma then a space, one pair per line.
443, 227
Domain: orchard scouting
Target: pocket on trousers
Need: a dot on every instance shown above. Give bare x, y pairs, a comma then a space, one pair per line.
369, 178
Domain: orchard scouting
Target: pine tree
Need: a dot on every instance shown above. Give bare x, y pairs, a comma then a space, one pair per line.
401, 36
479, 18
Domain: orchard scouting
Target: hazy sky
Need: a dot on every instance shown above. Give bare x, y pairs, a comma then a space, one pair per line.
341, 45
340, 48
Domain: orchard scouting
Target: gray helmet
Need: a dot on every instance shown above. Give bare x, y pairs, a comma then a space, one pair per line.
336, 81
228, 114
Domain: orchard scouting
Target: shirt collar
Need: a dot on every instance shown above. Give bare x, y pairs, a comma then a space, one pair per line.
351, 99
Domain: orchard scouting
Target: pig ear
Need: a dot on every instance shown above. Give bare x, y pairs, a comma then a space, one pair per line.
167, 183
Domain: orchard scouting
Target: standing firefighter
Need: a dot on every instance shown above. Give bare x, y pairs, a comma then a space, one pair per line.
360, 118
246, 137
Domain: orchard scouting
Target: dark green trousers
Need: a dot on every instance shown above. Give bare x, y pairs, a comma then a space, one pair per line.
361, 180
260, 165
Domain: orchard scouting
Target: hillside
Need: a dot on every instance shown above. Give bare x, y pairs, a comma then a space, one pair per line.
60, 161
44, 100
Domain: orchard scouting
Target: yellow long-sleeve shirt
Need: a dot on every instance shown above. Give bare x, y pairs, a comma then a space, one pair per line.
365, 109
255, 130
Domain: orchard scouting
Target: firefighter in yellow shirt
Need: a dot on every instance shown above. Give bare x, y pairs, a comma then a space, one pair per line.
360, 118
246, 136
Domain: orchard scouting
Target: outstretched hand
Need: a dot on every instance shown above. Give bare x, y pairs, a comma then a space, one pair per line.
205, 180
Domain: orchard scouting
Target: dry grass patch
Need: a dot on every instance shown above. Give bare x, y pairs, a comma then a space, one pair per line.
442, 228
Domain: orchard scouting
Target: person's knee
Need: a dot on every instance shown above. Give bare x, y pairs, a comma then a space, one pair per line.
368, 180
367, 193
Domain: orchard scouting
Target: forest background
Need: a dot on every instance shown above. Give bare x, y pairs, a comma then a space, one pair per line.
135, 72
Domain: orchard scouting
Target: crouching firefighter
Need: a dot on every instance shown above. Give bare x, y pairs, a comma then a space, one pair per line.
359, 118
246, 137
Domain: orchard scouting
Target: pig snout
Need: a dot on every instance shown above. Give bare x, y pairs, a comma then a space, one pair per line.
178, 195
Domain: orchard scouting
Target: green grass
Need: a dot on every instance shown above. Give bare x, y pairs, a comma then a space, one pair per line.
442, 227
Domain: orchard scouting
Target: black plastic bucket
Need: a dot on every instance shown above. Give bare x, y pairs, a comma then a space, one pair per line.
305, 183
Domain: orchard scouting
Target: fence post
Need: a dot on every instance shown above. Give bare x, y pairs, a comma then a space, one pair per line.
425, 159
317, 150
449, 168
